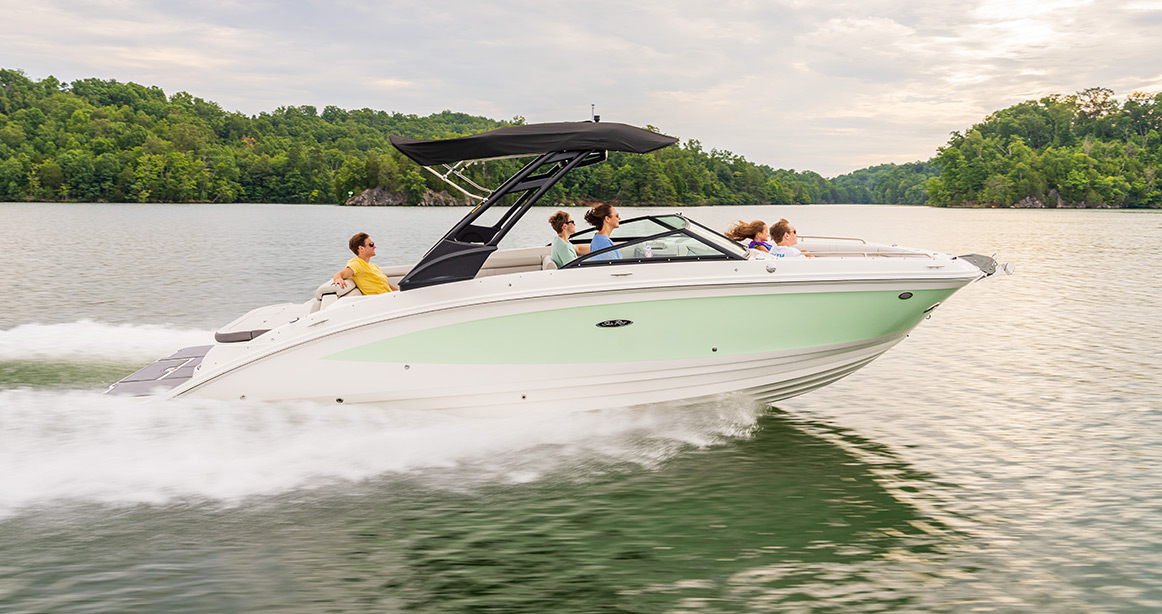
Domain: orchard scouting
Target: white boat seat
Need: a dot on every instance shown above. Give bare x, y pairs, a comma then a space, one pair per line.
521, 260
328, 293
260, 321
547, 264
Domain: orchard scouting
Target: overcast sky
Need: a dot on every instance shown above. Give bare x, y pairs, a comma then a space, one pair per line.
830, 86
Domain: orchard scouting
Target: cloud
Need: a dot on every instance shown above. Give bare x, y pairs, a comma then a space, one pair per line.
392, 84
794, 84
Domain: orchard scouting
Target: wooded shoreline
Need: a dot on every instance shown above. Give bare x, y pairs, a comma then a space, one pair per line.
96, 140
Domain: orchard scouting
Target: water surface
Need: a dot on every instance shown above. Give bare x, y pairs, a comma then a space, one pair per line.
1003, 458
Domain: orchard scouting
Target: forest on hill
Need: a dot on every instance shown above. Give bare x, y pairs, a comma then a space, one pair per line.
1082, 150
102, 140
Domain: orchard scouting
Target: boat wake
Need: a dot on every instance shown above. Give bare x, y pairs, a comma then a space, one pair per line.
61, 448
86, 340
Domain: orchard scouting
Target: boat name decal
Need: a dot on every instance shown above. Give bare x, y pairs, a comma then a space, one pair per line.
614, 323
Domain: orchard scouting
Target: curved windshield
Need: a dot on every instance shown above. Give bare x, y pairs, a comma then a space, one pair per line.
635, 228
661, 238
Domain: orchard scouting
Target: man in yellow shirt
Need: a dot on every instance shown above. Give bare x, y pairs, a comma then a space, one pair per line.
367, 277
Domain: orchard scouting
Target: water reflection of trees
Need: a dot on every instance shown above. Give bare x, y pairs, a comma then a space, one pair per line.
795, 513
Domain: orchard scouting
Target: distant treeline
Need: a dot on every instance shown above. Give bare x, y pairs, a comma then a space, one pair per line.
98, 140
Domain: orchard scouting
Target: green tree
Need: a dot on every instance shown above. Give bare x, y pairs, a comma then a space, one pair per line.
413, 186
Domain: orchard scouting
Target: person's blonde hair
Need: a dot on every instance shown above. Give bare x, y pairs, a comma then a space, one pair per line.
746, 231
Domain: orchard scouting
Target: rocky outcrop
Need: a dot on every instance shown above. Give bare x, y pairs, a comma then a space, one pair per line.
440, 199
379, 197
376, 197
1029, 202
1055, 201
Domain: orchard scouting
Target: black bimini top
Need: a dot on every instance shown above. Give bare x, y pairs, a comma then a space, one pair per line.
533, 139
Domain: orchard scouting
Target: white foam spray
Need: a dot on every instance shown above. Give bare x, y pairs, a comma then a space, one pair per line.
62, 447
86, 340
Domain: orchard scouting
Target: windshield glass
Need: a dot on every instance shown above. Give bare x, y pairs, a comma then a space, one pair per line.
717, 239
635, 228
658, 239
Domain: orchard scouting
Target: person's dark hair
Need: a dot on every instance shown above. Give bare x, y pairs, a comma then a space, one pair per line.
596, 216
779, 230
557, 221
746, 231
356, 242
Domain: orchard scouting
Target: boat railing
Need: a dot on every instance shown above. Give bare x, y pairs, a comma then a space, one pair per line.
871, 254
886, 251
834, 238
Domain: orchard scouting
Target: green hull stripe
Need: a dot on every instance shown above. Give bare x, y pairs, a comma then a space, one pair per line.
672, 329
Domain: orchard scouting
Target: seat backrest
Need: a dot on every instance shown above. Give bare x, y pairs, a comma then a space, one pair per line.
548, 264
329, 292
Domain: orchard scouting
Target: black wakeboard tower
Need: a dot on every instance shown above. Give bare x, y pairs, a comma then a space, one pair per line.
560, 147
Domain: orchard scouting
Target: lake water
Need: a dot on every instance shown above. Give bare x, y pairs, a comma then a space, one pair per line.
1006, 457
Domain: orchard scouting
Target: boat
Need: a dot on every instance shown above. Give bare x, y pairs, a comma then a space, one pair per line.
682, 314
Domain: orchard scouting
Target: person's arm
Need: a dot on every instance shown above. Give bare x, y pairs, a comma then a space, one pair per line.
346, 273
582, 249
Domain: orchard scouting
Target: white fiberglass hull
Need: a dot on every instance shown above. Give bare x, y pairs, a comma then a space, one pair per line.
592, 338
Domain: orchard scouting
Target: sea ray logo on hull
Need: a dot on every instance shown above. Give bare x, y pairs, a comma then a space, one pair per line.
614, 323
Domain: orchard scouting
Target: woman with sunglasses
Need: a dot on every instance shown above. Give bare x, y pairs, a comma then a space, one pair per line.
563, 250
